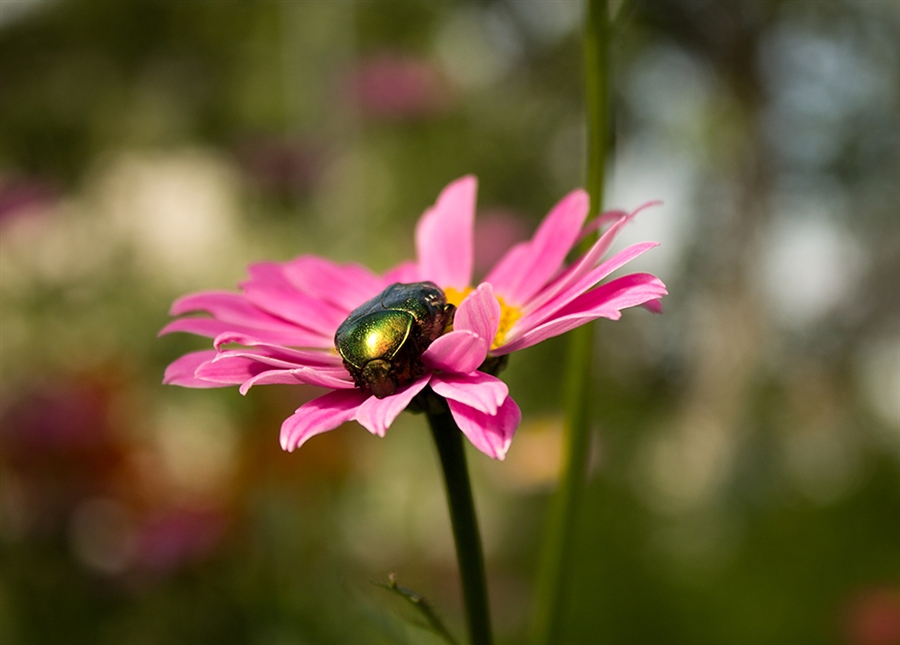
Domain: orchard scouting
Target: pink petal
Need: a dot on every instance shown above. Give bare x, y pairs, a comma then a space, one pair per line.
335, 379
287, 302
376, 415
345, 286
544, 307
653, 305
212, 328
273, 377
320, 415
267, 273
603, 219
582, 275
298, 356
521, 274
229, 307
181, 371
581, 268
229, 371
613, 216
508, 269
477, 390
479, 313
628, 291
606, 301
258, 357
406, 273
491, 434
269, 288
617, 261
458, 351
444, 236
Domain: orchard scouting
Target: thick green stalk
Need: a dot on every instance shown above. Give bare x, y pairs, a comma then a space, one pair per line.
449, 441
596, 82
551, 597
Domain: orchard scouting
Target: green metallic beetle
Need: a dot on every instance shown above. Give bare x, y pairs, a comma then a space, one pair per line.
382, 340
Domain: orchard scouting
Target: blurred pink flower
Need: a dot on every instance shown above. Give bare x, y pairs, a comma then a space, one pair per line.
56, 417
396, 86
25, 195
495, 231
530, 295
872, 617
284, 166
171, 538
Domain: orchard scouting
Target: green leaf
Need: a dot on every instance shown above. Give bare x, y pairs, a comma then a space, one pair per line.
432, 622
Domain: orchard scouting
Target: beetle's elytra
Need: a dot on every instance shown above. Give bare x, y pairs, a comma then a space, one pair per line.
381, 341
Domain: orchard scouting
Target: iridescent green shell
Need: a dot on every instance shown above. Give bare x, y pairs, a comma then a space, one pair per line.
381, 342
377, 335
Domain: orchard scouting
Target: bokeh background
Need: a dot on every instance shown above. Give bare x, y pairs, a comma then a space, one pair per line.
745, 484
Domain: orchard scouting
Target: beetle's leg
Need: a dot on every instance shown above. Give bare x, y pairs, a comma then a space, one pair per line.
450, 313
378, 377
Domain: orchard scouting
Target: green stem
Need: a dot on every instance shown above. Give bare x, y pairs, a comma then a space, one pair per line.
596, 83
449, 441
551, 597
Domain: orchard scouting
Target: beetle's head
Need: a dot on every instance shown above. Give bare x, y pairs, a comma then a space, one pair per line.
378, 376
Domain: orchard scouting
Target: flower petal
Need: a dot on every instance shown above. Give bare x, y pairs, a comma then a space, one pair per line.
543, 307
610, 217
477, 390
287, 302
258, 357
606, 301
181, 371
272, 377
276, 294
581, 268
227, 306
297, 356
320, 415
628, 291
445, 236
479, 313
606, 218
506, 271
458, 351
346, 286
330, 378
211, 328
521, 274
230, 371
491, 434
376, 415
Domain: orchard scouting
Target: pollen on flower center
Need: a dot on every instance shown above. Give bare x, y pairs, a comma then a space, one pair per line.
455, 296
508, 314
508, 317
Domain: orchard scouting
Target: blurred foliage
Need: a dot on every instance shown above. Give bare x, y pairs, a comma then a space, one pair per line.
747, 459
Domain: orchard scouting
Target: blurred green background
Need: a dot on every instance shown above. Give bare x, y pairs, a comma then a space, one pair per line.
745, 485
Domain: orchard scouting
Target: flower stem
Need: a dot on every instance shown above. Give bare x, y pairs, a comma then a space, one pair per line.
551, 597
449, 441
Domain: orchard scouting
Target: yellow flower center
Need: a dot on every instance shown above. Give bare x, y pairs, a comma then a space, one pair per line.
508, 314
455, 296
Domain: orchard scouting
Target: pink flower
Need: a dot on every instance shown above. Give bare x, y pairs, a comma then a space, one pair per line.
285, 319
396, 86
